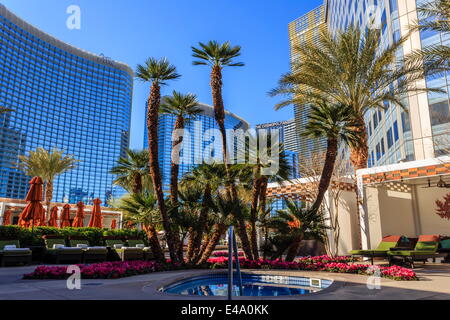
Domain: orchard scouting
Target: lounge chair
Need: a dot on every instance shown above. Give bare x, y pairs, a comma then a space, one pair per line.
426, 248
90, 254
56, 249
11, 252
139, 243
444, 248
381, 251
119, 250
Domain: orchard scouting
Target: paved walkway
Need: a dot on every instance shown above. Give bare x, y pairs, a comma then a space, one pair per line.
434, 284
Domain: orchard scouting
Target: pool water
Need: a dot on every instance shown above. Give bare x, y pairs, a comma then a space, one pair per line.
254, 285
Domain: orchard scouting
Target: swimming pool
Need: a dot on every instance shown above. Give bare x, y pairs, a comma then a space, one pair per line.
254, 285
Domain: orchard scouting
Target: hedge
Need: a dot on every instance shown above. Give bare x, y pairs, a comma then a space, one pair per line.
29, 237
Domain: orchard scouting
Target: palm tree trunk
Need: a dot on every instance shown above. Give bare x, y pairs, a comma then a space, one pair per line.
202, 249
253, 216
359, 156
190, 246
327, 172
219, 230
202, 220
137, 183
293, 249
48, 196
263, 194
175, 167
154, 243
154, 102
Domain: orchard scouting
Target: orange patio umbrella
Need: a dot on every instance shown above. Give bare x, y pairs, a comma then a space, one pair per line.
79, 217
53, 221
96, 215
7, 218
113, 224
65, 216
42, 222
34, 211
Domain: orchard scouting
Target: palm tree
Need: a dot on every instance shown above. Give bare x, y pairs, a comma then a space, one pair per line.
184, 108
209, 178
218, 56
435, 16
351, 69
335, 123
47, 165
296, 224
260, 180
141, 208
158, 72
222, 207
132, 171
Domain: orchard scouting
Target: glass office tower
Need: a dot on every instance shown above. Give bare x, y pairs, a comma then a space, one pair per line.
197, 130
62, 97
395, 135
306, 30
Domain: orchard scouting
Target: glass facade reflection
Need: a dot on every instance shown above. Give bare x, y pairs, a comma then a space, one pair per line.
423, 130
62, 97
197, 131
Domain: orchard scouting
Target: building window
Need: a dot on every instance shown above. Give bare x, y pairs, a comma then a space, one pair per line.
390, 140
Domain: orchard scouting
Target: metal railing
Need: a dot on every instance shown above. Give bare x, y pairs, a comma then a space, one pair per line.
232, 246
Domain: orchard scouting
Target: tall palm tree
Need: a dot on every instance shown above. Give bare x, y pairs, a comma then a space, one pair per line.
435, 16
218, 56
141, 208
47, 165
132, 171
297, 224
158, 72
351, 69
335, 123
185, 108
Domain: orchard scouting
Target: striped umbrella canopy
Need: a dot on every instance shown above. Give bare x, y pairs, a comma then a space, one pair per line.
7, 218
79, 217
53, 221
65, 217
96, 216
34, 211
113, 224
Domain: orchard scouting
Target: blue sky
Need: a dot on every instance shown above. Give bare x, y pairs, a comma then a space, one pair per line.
131, 31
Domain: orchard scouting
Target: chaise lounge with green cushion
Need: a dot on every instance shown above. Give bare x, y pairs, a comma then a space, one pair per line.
426, 248
119, 250
381, 251
139, 243
444, 248
90, 254
11, 252
56, 250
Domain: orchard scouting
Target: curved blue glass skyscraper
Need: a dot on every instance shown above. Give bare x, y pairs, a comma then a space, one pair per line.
62, 97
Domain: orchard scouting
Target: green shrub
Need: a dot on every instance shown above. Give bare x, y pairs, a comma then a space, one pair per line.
28, 237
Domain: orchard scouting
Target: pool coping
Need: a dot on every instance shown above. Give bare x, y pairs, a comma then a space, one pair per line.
154, 287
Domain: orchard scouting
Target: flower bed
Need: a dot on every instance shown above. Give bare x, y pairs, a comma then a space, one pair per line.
114, 270
225, 254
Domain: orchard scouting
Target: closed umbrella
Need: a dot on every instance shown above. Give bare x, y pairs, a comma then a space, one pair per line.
65, 216
34, 210
113, 224
7, 218
96, 215
53, 221
79, 217
42, 222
